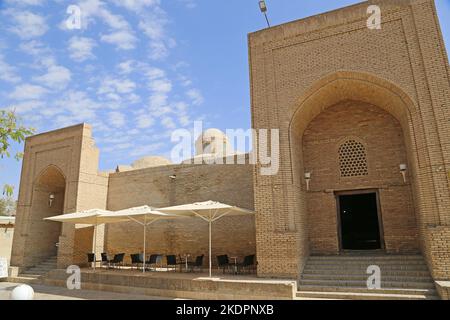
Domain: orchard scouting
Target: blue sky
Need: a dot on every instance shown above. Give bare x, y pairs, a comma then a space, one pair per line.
137, 69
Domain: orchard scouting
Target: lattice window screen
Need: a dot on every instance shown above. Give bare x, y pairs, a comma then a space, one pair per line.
353, 159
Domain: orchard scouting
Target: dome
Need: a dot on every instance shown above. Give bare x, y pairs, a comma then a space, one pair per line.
149, 162
212, 141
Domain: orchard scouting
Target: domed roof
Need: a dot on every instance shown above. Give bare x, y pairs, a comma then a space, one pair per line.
212, 141
150, 161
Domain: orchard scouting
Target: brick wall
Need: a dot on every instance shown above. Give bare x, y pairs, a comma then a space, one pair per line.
383, 141
301, 68
231, 184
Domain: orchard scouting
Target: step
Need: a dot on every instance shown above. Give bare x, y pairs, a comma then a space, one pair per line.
362, 296
26, 279
367, 257
40, 269
400, 278
412, 273
406, 291
33, 271
365, 262
364, 267
355, 283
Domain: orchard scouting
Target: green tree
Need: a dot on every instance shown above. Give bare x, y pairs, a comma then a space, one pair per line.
11, 131
7, 206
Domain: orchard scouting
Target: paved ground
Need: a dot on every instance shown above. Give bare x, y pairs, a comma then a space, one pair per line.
42, 292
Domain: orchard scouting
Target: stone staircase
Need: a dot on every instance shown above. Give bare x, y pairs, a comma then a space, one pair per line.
403, 277
35, 274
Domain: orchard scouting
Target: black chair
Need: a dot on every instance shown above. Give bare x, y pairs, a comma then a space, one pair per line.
117, 261
172, 262
197, 264
248, 264
105, 260
91, 258
153, 260
223, 262
136, 260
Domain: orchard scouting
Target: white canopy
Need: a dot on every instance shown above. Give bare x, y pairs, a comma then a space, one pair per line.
91, 217
209, 211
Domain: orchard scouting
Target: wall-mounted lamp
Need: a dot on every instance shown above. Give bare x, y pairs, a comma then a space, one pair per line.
51, 198
403, 168
307, 179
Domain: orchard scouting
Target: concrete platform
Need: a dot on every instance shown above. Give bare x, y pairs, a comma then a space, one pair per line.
179, 285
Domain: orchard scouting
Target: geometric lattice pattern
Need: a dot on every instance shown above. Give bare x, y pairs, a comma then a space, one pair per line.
353, 159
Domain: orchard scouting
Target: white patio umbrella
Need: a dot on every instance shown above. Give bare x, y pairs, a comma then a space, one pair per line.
209, 211
89, 217
143, 215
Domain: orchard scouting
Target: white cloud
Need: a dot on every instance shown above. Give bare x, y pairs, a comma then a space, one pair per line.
28, 92
136, 5
123, 39
155, 73
57, 77
24, 107
146, 149
80, 48
190, 4
144, 121
116, 119
163, 86
25, 2
153, 25
116, 86
27, 25
195, 96
168, 123
126, 67
7, 72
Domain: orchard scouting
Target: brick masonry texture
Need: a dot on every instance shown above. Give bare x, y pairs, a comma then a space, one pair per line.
321, 81
398, 80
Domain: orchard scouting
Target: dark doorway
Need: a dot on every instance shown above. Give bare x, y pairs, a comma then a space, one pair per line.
359, 221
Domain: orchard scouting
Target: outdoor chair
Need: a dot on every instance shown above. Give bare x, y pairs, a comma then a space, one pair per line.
223, 262
136, 260
105, 260
172, 262
91, 258
154, 260
117, 261
248, 264
197, 264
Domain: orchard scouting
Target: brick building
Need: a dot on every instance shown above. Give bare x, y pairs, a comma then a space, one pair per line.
363, 116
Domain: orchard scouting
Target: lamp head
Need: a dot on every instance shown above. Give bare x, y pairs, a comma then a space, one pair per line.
262, 6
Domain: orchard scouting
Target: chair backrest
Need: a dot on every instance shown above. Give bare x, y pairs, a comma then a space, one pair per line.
249, 260
118, 257
222, 260
153, 258
104, 257
91, 257
199, 260
171, 260
135, 258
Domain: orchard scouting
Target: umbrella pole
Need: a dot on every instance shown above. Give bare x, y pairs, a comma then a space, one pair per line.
210, 258
145, 233
95, 243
